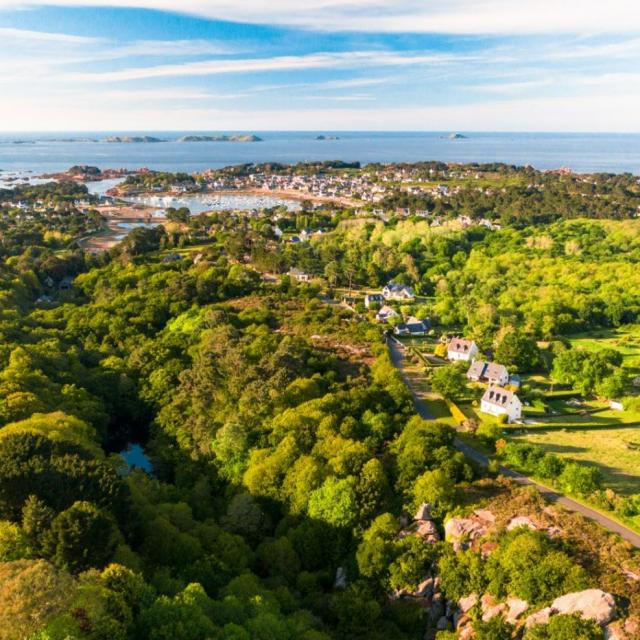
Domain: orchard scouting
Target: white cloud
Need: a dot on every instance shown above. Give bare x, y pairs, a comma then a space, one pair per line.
343, 60
597, 112
26, 35
419, 16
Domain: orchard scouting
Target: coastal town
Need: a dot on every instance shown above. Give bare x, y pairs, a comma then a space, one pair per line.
461, 322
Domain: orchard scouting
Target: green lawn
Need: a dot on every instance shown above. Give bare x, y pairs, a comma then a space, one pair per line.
625, 339
615, 451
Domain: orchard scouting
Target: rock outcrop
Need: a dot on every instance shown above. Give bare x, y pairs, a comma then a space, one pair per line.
539, 617
467, 603
459, 530
592, 604
623, 630
516, 608
521, 521
422, 526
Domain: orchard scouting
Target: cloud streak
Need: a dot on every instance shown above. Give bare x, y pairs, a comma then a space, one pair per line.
410, 16
342, 60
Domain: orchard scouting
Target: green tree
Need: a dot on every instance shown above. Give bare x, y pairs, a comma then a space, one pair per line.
436, 488
80, 537
449, 381
564, 627
494, 629
334, 502
517, 350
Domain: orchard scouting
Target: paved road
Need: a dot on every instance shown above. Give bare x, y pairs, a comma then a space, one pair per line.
397, 356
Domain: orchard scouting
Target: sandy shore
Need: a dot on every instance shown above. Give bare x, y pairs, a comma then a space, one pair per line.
115, 215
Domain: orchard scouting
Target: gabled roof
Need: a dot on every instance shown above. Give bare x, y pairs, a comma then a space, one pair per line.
476, 369
396, 287
498, 396
487, 370
418, 324
460, 345
387, 310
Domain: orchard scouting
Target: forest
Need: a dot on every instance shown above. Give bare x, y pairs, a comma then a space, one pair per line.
293, 492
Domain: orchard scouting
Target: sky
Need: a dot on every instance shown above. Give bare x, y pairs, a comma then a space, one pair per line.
257, 65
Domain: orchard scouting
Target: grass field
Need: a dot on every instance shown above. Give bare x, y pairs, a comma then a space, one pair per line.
607, 439
625, 339
615, 451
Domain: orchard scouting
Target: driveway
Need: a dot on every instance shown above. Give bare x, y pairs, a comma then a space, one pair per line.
398, 354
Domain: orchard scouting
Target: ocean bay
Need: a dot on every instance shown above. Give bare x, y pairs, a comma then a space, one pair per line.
42, 153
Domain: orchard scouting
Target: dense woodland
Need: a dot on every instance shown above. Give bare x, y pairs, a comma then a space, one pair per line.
287, 456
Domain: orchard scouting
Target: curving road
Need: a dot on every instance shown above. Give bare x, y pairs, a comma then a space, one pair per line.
397, 353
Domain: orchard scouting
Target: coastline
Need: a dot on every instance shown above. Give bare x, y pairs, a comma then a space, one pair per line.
274, 193
112, 233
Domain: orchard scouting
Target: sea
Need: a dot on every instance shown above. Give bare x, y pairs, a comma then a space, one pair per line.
31, 154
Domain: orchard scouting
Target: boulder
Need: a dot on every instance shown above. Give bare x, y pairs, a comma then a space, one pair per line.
460, 621
623, 630
463, 528
467, 633
516, 608
592, 604
485, 516
428, 531
521, 521
490, 607
468, 602
492, 612
424, 512
539, 617
424, 589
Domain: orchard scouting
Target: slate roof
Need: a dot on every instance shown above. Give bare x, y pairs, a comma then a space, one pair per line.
498, 396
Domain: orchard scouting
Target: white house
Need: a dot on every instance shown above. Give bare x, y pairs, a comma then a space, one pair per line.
299, 275
461, 349
395, 291
386, 313
373, 298
490, 372
497, 401
412, 327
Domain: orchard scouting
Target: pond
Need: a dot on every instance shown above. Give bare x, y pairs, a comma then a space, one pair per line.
135, 456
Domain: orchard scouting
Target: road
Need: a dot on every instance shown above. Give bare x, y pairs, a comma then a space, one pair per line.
398, 357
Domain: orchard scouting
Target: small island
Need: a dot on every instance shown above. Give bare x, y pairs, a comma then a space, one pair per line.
223, 138
327, 137
132, 139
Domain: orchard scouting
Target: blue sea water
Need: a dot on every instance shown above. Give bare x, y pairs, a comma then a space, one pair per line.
40, 153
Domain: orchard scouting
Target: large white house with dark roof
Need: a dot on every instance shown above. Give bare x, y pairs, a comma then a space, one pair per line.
397, 291
497, 401
461, 349
412, 327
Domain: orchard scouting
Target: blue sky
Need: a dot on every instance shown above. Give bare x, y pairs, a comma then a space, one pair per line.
220, 65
